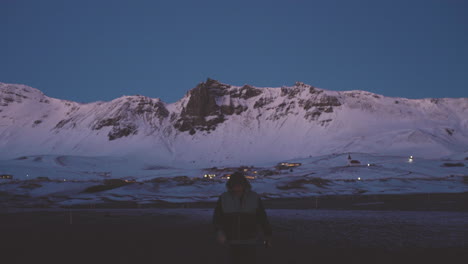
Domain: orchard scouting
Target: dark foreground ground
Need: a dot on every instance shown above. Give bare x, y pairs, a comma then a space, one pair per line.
185, 235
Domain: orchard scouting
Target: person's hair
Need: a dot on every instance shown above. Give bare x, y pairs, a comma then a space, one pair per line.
238, 178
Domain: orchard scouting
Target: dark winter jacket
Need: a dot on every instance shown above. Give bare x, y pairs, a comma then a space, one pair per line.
240, 218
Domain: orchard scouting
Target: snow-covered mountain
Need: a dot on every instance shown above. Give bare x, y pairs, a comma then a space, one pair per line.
216, 123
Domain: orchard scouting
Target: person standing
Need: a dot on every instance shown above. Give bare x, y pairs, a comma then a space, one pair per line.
238, 218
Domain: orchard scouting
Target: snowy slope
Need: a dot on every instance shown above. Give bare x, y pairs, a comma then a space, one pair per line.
219, 124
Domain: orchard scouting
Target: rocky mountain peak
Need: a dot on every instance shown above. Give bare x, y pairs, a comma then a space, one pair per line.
201, 104
17, 93
210, 102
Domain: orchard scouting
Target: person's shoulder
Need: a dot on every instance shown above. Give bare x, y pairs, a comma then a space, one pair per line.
224, 194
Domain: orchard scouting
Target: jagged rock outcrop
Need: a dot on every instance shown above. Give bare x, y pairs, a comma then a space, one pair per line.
203, 112
122, 119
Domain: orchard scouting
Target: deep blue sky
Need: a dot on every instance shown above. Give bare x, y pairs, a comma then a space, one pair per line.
99, 50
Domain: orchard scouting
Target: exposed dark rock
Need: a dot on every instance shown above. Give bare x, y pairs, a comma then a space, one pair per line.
328, 110
327, 101
214, 84
312, 115
306, 104
146, 105
449, 131
245, 92
62, 123
8, 99
123, 121
202, 112
173, 117
17, 95
283, 109
458, 164
263, 101
106, 122
313, 90
325, 122
30, 185
249, 92
290, 92
231, 109
319, 105
108, 185
202, 101
124, 131
156, 167
184, 125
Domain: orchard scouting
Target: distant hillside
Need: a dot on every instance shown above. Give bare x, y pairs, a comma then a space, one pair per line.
224, 124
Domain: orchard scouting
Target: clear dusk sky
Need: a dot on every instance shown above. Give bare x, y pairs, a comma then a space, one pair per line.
86, 51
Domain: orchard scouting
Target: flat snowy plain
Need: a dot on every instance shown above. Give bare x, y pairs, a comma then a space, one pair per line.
64, 181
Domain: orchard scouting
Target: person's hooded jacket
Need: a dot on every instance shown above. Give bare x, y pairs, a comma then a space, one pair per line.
240, 218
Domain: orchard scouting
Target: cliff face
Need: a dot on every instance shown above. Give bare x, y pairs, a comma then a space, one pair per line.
203, 112
218, 121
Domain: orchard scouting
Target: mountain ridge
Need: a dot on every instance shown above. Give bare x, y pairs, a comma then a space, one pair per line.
220, 123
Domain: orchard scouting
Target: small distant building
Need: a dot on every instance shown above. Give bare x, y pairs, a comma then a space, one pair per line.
287, 165
130, 180
352, 162
6, 176
209, 176
226, 176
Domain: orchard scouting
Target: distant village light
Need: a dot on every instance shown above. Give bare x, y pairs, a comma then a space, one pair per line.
410, 159
210, 176
359, 178
6, 176
287, 165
